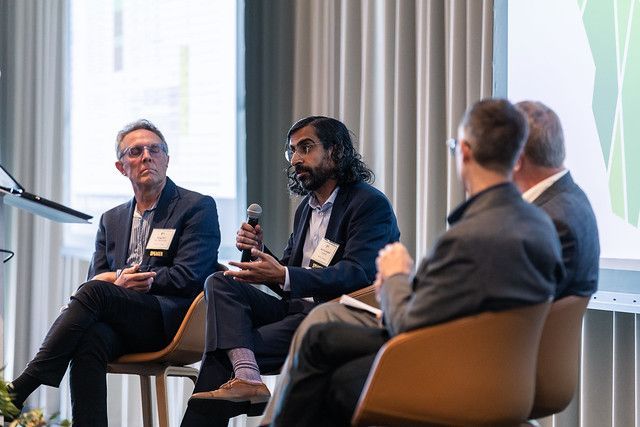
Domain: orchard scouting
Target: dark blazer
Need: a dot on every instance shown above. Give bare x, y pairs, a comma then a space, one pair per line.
191, 258
571, 213
362, 222
500, 252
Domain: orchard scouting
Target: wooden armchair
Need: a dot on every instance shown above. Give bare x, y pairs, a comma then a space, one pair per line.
477, 370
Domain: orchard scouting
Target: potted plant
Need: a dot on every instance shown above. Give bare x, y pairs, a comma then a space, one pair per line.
32, 418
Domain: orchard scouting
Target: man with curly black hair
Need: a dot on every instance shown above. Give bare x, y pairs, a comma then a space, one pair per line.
347, 165
338, 229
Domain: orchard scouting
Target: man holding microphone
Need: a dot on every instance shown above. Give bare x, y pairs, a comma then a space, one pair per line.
338, 228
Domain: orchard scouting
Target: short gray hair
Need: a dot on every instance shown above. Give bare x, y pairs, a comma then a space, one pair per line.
545, 145
137, 125
498, 130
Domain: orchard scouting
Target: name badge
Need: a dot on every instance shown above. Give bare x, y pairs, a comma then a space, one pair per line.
324, 253
160, 241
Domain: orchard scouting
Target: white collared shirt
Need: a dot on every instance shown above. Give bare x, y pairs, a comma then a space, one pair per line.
534, 192
320, 215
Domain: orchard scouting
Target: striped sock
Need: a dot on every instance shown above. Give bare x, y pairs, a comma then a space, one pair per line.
244, 364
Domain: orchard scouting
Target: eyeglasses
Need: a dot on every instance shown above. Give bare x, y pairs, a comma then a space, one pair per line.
135, 151
301, 149
452, 143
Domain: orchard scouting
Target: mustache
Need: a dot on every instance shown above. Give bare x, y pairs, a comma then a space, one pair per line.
300, 168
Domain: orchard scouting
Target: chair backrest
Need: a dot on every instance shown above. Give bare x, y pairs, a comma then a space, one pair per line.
559, 356
477, 370
188, 343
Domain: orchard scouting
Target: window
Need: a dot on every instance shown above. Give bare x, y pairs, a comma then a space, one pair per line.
174, 62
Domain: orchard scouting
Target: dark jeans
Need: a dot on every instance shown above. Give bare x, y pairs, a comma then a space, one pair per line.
101, 322
328, 375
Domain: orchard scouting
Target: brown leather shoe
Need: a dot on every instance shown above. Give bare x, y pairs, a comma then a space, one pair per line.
237, 390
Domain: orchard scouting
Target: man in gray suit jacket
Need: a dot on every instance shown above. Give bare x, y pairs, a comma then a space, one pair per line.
544, 181
499, 253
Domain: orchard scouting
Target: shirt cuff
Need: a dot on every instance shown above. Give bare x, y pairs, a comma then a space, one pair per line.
287, 284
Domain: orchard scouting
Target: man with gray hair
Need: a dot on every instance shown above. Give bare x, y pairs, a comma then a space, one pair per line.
541, 176
152, 255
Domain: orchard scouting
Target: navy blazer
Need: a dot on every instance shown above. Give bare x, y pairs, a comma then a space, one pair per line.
571, 213
191, 258
500, 252
362, 222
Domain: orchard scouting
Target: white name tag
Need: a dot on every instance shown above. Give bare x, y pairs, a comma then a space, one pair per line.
160, 239
324, 253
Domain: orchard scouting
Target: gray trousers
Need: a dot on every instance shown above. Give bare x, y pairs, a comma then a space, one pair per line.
327, 312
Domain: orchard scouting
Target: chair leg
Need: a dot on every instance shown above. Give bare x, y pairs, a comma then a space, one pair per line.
145, 393
161, 393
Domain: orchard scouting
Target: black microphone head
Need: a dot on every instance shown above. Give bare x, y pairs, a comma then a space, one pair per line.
254, 211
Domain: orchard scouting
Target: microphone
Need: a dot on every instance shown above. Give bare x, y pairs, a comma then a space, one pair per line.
253, 216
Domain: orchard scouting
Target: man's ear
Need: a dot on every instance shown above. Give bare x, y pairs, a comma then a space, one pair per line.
465, 150
518, 165
120, 167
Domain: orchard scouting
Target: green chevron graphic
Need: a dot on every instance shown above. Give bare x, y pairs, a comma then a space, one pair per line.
613, 30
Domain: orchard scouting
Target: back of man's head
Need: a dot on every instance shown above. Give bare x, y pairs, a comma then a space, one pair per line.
545, 144
496, 131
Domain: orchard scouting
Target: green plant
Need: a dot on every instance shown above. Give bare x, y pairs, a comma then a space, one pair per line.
7, 408
35, 418
32, 418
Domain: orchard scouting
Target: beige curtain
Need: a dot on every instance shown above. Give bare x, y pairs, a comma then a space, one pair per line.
400, 74
34, 79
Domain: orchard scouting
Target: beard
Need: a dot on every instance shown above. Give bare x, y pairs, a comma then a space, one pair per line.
314, 178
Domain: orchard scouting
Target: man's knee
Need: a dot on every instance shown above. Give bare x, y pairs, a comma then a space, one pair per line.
340, 341
321, 314
213, 281
95, 295
93, 288
218, 283
327, 312
336, 312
